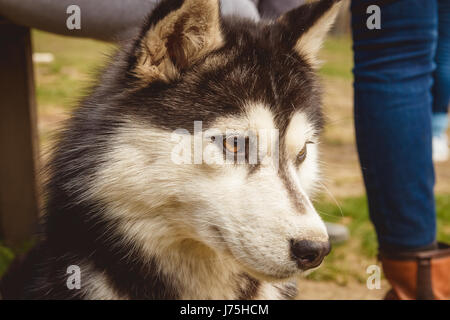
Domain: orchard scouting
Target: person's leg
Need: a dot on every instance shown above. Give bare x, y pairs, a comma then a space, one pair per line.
393, 105
393, 78
441, 89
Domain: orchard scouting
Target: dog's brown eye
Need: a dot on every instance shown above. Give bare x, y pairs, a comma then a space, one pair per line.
302, 155
231, 145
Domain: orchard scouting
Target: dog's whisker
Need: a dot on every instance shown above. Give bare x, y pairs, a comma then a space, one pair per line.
327, 214
333, 198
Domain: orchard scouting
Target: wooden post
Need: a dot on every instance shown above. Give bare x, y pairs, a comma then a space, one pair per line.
18, 136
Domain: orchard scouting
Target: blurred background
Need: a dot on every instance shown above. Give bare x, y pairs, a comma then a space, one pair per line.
66, 67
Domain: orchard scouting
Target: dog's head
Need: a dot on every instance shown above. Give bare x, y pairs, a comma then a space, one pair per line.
252, 91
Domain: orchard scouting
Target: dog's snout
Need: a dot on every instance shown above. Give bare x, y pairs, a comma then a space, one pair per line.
309, 254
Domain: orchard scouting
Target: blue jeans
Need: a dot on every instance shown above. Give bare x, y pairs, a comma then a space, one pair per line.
393, 72
441, 89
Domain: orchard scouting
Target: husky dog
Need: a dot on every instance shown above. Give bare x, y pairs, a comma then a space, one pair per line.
132, 223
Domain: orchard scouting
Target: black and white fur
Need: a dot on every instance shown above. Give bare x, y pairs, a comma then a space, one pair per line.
140, 226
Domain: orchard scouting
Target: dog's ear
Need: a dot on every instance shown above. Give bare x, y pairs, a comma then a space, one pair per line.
178, 34
307, 26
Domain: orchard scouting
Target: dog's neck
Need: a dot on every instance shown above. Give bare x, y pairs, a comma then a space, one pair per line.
193, 269
145, 257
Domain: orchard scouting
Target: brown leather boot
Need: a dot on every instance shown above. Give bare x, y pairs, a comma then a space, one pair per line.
421, 275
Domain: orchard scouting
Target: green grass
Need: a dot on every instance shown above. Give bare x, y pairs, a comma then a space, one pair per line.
355, 215
338, 58
61, 82
7, 254
350, 260
6, 257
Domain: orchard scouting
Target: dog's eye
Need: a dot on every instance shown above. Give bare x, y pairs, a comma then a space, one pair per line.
236, 149
302, 155
232, 145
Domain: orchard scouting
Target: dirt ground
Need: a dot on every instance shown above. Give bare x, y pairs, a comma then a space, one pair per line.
326, 290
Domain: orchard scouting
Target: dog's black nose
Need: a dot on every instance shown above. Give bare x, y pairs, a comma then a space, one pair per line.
309, 254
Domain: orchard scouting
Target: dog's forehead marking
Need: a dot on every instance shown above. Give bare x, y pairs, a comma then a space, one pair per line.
259, 116
299, 131
256, 116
